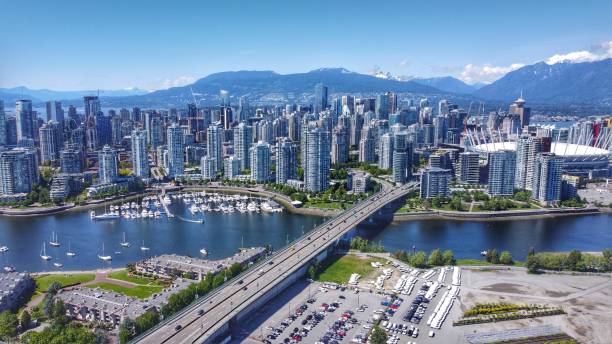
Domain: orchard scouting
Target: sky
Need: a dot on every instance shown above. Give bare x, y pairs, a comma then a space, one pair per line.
78, 45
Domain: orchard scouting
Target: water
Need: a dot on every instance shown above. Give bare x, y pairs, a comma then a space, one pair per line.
221, 234
468, 238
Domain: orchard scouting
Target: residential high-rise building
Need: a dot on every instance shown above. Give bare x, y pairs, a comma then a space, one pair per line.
244, 112
25, 119
468, 170
435, 182
55, 112
50, 135
317, 160
176, 164
116, 132
382, 106
527, 147
286, 161
367, 145
243, 137
260, 162
385, 159
548, 169
320, 102
214, 150
207, 166
71, 160
402, 157
502, 169
231, 167
340, 145
3, 129
108, 167
355, 129
18, 171
225, 98
348, 105
140, 158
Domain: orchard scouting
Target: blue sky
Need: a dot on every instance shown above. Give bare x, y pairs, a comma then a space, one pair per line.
69, 45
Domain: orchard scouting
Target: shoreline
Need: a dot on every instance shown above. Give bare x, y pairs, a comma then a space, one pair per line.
496, 216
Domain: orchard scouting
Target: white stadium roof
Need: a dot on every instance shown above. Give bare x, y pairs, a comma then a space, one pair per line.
561, 149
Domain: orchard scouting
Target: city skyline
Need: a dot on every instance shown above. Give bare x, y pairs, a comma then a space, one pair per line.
119, 47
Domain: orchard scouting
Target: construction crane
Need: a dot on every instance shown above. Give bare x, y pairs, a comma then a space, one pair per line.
195, 101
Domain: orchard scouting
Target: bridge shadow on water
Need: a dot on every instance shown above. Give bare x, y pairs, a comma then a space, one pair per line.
374, 224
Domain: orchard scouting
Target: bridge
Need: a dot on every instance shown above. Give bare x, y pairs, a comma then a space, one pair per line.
208, 320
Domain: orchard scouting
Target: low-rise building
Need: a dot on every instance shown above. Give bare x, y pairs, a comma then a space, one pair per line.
15, 288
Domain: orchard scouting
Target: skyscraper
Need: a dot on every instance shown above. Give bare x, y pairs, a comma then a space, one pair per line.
92, 110
207, 166
548, 169
518, 108
382, 106
243, 137
25, 119
55, 112
502, 169
3, 130
260, 162
527, 147
140, 158
71, 160
320, 102
224, 96
385, 159
316, 167
286, 161
108, 167
231, 167
213, 146
176, 165
244, 111
340, 145
402, 157
367, 145
50, 135
469, 170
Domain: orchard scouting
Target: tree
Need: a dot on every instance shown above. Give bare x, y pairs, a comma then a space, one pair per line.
533, 263
419, 259
312, 272
401, 255
25, 319
146, 321
572, 259
378, 336
506, 258
8, 325
54, 287
59, 313
435, 258
449, 257
126, 330
494, 256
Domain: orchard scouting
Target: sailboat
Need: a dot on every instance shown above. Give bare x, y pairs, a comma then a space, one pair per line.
103, 257
143, 247
43, 253
124, 243
54, 241
70, 253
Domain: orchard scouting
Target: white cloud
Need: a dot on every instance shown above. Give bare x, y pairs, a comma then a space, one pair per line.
404, 63
603, 51
487, 73
180, 81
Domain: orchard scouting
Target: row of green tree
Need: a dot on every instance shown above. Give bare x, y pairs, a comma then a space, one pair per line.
492, 256
421, 260
364, 245
130, 328
572, 261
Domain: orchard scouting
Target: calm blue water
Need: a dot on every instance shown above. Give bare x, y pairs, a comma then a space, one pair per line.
468, 238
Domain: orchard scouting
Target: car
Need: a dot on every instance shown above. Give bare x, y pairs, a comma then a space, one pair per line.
240, 282
200, 312
342, 297
178, 327
432, 333
271, 262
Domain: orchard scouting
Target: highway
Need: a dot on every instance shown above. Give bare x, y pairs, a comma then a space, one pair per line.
202, 319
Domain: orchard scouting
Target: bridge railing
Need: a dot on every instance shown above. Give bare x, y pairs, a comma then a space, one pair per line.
202, 299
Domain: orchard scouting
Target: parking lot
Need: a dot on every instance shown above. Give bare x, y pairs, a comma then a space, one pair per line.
306, 311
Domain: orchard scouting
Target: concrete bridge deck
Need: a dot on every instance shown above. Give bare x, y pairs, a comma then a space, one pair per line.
242, 294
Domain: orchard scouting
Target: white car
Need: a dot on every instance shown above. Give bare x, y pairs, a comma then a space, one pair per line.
431, 333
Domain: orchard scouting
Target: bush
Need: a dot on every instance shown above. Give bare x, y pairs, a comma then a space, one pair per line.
506, 258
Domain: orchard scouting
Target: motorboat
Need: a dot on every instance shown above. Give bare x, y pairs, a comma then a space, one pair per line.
104, 257
58, 265
105, 216
9, 268
3, 248
483, 253
204, 252
43, 253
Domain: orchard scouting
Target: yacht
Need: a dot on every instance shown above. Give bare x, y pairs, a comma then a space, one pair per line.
43, 253
124, 243
105, 216
58, 265
70, 253
143, 247
9, 268
54, 241
194, 209
3, 248
483, 253
204, 252
104, 257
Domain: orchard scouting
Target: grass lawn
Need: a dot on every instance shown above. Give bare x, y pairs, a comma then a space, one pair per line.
123, 276
326, 205
340, 269
141, 291
44, 281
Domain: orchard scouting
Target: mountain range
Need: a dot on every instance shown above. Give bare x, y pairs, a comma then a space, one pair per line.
555, 87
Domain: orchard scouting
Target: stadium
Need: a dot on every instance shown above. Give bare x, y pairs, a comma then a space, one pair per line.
583, 160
